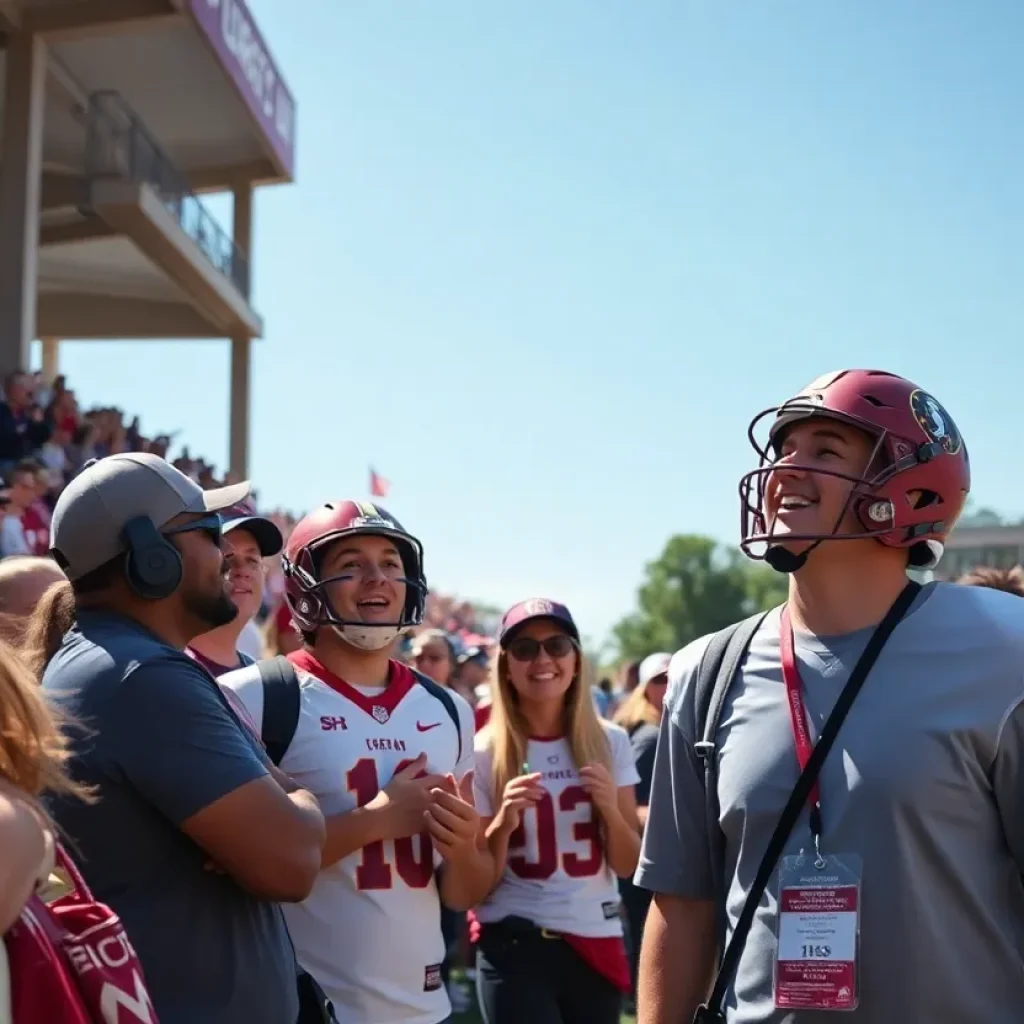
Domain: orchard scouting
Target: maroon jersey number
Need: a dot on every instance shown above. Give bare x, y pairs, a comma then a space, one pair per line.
374, 871
573, 864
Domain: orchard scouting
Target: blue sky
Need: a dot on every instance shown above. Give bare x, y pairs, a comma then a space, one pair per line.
543, 261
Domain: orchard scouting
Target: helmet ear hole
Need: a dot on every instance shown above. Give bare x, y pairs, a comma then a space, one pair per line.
923, 499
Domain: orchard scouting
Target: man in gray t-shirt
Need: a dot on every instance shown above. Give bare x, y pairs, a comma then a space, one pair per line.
926, 780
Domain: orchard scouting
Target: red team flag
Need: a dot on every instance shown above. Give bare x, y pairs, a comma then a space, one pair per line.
379, 487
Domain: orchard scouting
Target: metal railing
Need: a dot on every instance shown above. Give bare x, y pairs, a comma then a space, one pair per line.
120, 147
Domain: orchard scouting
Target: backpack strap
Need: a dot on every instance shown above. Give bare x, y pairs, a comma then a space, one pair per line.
715, 674
281, 698
444, 695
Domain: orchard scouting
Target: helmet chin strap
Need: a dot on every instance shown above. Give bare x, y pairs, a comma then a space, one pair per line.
368, 638
785, 561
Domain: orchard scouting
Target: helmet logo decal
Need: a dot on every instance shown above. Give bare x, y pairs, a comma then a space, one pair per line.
538, 606
380, 713
378, 522
372, 517
881, 511
936, 423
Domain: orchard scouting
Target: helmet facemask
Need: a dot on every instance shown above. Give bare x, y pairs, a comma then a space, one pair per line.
313, 607
868, 497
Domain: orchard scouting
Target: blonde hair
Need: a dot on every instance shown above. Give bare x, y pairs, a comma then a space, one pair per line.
507, 732
636, 710
52, 618
33, 751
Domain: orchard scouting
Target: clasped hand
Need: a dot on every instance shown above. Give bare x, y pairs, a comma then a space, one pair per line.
416, 800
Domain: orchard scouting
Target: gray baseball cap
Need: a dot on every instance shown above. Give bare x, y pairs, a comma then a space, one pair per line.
92, 510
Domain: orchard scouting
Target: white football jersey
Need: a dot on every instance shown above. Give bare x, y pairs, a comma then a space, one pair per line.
370, 930
556, 874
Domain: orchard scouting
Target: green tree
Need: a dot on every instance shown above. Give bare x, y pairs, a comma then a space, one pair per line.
696, 586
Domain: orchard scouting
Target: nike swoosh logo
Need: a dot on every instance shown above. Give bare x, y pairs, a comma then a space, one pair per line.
426, 728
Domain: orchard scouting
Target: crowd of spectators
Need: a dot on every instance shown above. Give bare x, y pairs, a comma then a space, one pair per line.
45, 439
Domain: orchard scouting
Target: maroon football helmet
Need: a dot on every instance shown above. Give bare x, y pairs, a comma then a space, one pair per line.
304, 587
912, 489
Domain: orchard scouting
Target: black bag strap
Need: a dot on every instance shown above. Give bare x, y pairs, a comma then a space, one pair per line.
444, 695
314, 1005
711, 1011
281, 700
718, 666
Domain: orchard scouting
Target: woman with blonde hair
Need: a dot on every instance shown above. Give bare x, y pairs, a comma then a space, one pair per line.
554, 787
32, 756
50, 924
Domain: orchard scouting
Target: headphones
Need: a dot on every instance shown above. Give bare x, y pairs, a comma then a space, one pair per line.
152, 563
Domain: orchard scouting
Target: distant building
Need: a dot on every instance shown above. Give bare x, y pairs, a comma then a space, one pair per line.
996, 545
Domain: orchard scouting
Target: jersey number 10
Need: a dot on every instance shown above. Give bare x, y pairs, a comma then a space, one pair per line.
374, 871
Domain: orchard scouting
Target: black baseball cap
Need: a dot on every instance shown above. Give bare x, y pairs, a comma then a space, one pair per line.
264, 531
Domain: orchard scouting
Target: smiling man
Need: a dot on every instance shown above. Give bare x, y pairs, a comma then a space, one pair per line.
898, 895
248, 540
178, 782
388, 754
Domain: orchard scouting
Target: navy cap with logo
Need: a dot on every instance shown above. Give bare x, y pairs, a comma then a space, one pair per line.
264, 531
535, 608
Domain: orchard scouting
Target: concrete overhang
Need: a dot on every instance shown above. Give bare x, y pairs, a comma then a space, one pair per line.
198, 74
128, 269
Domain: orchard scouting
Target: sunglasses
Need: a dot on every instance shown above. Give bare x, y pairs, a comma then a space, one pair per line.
526, 648
213, 525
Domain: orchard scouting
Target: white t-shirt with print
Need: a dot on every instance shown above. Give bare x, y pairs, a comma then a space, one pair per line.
556, 874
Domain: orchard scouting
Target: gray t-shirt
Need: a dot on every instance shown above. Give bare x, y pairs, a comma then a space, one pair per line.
156, 737
925, 784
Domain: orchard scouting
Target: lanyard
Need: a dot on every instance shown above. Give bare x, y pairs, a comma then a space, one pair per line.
805, 789
798, 719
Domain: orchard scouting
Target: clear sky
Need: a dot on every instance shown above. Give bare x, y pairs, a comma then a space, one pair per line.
544, 260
